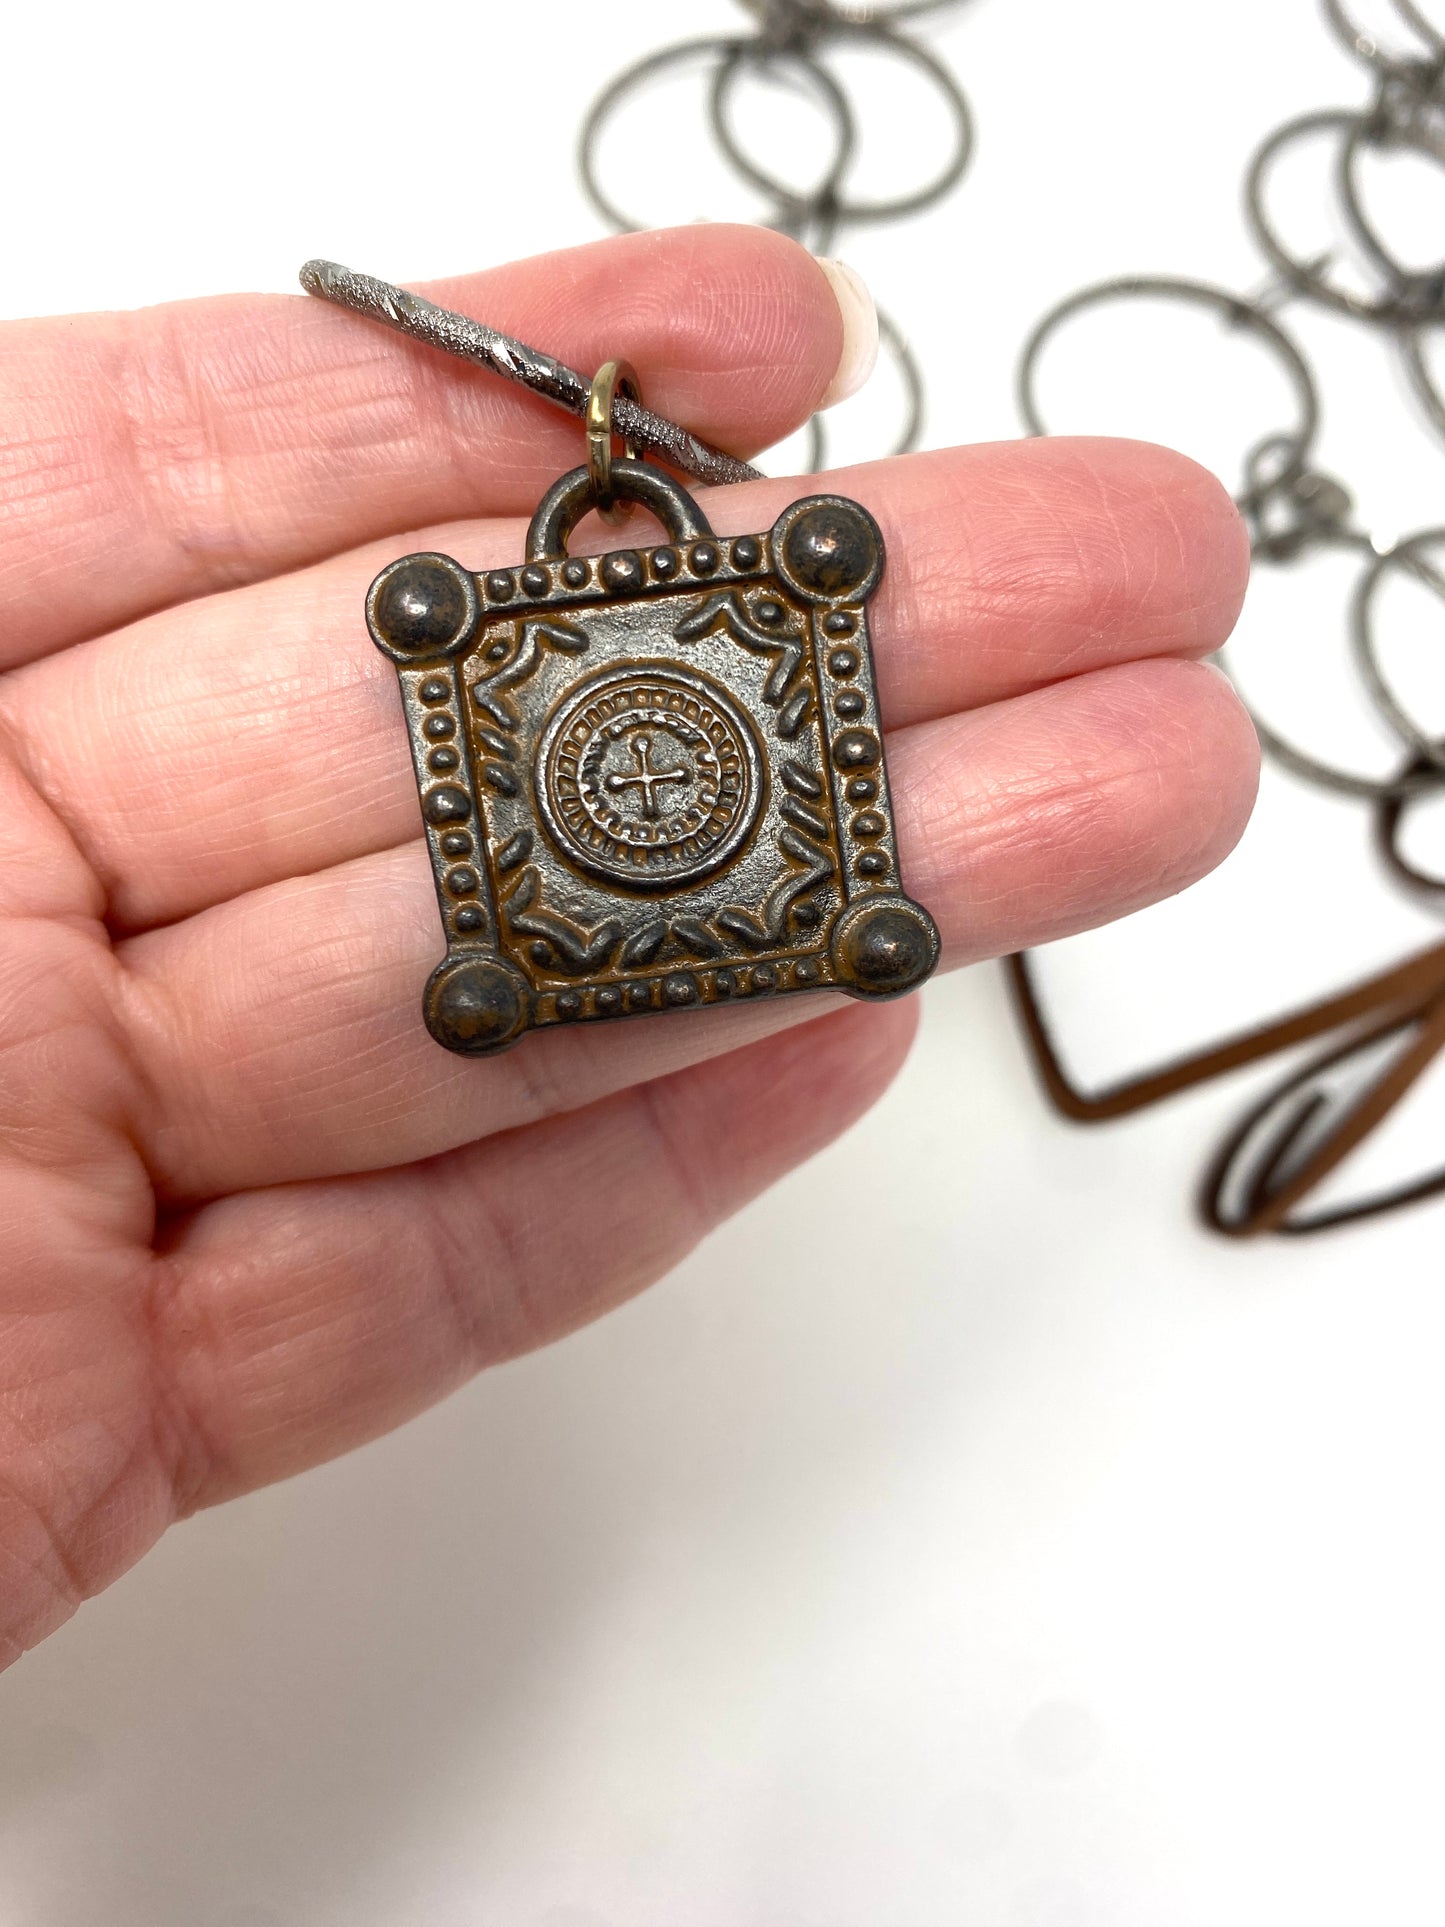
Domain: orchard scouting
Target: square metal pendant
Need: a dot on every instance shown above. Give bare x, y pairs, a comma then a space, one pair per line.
652, 780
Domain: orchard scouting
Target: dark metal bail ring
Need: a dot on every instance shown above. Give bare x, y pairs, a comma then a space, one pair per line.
570, 497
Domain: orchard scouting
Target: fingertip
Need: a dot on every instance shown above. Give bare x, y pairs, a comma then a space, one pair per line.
859, 353
1224, 747
1170, 769
1213, 534
1073, 805
1200, 545
1142, 541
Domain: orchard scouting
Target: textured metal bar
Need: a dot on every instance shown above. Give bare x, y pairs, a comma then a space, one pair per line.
474, 341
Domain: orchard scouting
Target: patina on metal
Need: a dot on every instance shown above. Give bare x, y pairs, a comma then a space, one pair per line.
539, 373
652, 780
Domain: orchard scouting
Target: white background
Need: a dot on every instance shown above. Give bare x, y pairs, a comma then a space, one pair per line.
962, 1536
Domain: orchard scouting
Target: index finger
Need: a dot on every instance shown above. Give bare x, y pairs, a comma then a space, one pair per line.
152, 457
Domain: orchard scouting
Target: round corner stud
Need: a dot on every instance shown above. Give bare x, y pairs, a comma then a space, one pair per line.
423, 606
884, 947
828, 548
475, 1005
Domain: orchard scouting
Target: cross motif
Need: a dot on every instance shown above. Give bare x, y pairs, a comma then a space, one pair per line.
647, 779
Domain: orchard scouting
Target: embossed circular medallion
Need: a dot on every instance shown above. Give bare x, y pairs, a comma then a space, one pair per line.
649, 777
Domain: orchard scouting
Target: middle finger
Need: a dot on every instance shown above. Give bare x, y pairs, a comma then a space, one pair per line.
225, 745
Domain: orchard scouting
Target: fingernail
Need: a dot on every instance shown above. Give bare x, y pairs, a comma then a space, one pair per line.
860, 331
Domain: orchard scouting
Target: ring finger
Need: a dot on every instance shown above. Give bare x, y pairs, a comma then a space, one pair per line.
282, 1031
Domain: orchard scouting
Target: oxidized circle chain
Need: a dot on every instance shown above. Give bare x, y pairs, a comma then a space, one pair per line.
1392, 1027
792, 43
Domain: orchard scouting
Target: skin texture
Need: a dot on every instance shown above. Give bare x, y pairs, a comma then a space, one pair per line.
250, 1215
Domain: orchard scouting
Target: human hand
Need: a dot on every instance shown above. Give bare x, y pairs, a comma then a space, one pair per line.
250, 1214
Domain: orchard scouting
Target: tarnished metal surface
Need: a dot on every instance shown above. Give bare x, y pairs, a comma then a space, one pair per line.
459, 334
654, 779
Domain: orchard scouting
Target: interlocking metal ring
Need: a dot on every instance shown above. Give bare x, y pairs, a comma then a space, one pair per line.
853, 15
792, 36
791, 207
1389, 822
1236, 309
1411, 782
1421, 291
1365, 47
1412, 348
1308, 276
610, 377
1288, 505
830, 200
802, 213
1410, 555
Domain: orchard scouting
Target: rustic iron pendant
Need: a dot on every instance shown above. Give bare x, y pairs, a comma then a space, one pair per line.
652, 779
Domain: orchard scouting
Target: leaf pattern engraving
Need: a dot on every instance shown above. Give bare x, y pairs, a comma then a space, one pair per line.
489, 693
571, 947
725, 611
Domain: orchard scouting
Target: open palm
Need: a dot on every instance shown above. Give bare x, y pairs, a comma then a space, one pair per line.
250, 1214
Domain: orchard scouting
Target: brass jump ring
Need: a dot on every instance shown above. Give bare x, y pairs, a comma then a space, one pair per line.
611, 376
